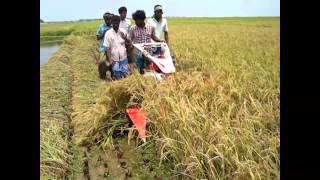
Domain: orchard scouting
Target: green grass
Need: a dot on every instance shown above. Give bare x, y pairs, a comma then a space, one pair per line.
67, 28
58, 31
224, 20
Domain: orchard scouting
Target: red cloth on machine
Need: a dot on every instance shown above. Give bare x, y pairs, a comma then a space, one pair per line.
138, 117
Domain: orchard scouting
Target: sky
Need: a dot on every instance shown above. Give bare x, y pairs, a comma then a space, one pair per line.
67, 10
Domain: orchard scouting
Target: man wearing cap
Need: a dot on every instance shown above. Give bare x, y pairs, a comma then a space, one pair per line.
159, 23
104, 66
103, 28
161, 27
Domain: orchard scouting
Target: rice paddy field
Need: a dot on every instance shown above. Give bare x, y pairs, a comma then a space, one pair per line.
217, 118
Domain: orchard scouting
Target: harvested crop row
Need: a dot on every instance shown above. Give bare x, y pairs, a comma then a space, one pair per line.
86, 81
55, 86
60, 158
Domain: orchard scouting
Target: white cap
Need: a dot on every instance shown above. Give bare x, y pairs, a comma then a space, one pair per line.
159, 7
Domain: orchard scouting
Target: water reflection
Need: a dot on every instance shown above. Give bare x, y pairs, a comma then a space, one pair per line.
46, 51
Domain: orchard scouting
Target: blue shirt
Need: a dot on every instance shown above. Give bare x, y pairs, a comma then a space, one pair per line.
101, 29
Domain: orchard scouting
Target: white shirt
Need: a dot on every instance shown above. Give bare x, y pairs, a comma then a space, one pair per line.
125, 25
160, 27
115, 44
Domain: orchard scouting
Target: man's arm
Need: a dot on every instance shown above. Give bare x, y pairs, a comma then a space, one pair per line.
98, 34
166, 37
125, 38
154, 37
129, 26
130, 33
101, 36
107, 44
130, 47
166, 34
109, 56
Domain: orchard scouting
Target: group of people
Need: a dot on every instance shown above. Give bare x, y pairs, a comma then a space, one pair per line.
117, 35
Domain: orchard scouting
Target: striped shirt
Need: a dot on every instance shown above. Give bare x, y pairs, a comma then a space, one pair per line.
142, 35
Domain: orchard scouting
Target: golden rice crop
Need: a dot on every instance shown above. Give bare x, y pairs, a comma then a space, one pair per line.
218, 118
206, 128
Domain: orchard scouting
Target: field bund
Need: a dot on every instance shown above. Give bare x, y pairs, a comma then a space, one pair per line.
217, 118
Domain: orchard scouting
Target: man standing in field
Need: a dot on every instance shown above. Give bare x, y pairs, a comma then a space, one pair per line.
115, 43
161, 26
141, 33
159, 23
124, 22
103, 28
125, 27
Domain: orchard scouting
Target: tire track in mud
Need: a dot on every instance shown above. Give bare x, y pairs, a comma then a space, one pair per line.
89, 155
90, 169
84, 175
